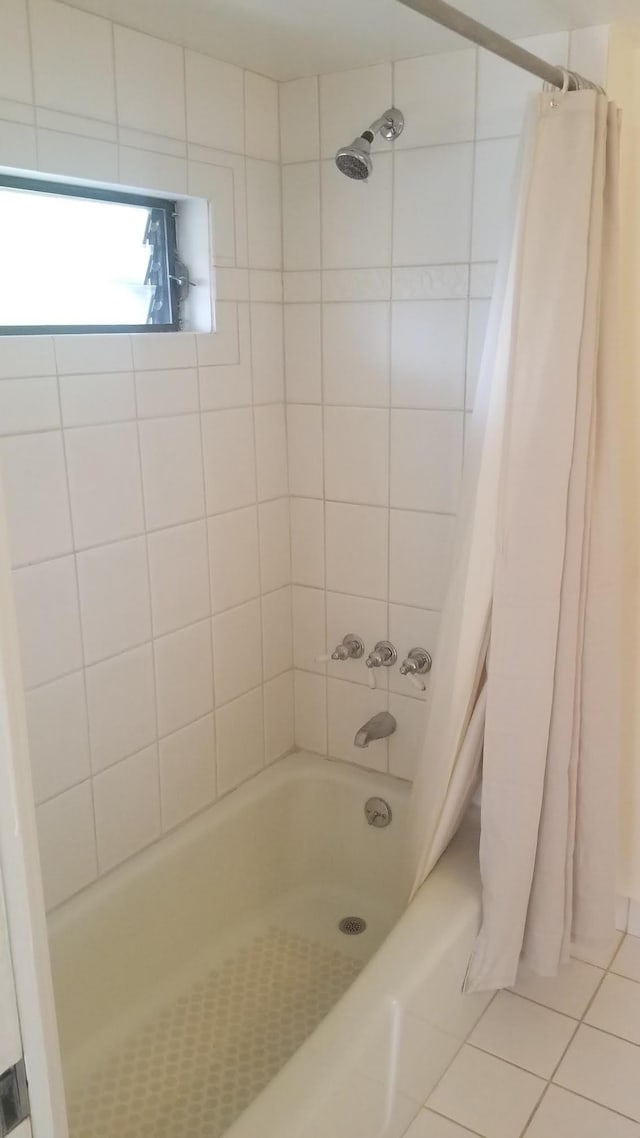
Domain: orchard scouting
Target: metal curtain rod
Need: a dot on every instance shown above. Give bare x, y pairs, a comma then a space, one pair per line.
465, 26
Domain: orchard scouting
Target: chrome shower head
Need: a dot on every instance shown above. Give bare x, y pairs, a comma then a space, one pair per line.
355, 160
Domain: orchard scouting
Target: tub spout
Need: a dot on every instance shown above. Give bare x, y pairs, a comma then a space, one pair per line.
380, 726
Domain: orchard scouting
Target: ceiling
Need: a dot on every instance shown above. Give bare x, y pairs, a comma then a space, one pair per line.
286, 39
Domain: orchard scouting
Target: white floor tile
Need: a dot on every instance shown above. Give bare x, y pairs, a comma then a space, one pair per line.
564, 1115
604, 1069
601, 956
430, 1125
616, 1008
627, 959
569, 992
487, 1095
523, 1033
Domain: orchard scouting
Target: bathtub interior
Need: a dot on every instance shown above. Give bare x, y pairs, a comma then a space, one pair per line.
188, 977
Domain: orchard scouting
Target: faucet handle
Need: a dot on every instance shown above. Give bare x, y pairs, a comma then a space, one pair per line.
417, 664
351, 647
384, 655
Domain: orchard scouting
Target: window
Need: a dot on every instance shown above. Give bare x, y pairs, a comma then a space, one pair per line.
77, 259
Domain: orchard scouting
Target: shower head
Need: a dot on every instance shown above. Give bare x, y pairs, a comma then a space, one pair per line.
355, 160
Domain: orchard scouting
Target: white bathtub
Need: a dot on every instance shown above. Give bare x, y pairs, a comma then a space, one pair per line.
208, 973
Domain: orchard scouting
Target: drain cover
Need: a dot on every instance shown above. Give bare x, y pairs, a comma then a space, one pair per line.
351, 926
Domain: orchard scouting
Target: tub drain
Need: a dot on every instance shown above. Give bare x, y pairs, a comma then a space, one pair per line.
351, 926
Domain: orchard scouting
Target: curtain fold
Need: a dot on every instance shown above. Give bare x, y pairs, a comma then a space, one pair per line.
525, 686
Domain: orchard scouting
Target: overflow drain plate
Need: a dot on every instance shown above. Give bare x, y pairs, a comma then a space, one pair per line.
352, 926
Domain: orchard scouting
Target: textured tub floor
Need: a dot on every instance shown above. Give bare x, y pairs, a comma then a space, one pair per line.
196, 1065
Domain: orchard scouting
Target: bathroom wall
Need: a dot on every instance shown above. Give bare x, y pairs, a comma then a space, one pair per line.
146, 476
387, 286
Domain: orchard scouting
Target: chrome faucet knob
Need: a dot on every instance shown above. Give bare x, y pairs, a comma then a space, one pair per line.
384, 655
417, 664
351, 648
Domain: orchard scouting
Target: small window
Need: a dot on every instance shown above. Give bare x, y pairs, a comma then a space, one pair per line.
77, 259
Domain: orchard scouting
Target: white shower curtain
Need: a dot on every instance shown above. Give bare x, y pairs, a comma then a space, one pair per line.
526, 680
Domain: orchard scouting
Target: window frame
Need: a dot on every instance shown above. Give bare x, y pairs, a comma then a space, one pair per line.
96, 193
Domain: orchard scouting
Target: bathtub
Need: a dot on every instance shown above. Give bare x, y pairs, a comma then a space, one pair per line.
205, 986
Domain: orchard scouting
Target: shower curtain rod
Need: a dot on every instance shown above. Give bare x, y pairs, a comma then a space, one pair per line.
485, 37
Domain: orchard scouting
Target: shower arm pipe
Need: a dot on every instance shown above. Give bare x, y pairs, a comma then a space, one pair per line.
470, 29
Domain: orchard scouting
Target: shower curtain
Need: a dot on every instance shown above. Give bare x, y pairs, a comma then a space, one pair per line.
526, 679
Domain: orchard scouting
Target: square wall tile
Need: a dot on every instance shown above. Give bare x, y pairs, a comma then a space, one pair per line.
357, 546
229, 459
114, 598
267, 349
356, 455
299, 120
310, 702
426, 460
104, 466
184, 676
15, 53
307, 542
187, 772
264, 214
18, 142
407, 742
504, 90
82, 355
28, 405
48, 620
275, 544
301, 216
428, 353
122, 706
432, 205
356, 228
127, 806
155, 350
351, 705
72, 60
90, 400
437, 96
237, 656
150, 83
309, 638
356, 353
67, 841
37, 499
420, 558
489, 1096
262, 139
478, 323
179, 576
304, 439
523, 1033
346, 102
211, 85
239, 740
234, 558
277, 643
271, 452
278, 717
302, 346
58, 736
171, 392
73, 156
26, 356
589, 52
495, 164
172, 474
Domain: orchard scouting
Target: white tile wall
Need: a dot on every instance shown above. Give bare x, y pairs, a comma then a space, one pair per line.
129, 463
387, 290
148, 478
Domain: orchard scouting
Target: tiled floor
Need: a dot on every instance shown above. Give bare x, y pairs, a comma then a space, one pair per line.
552, 1059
